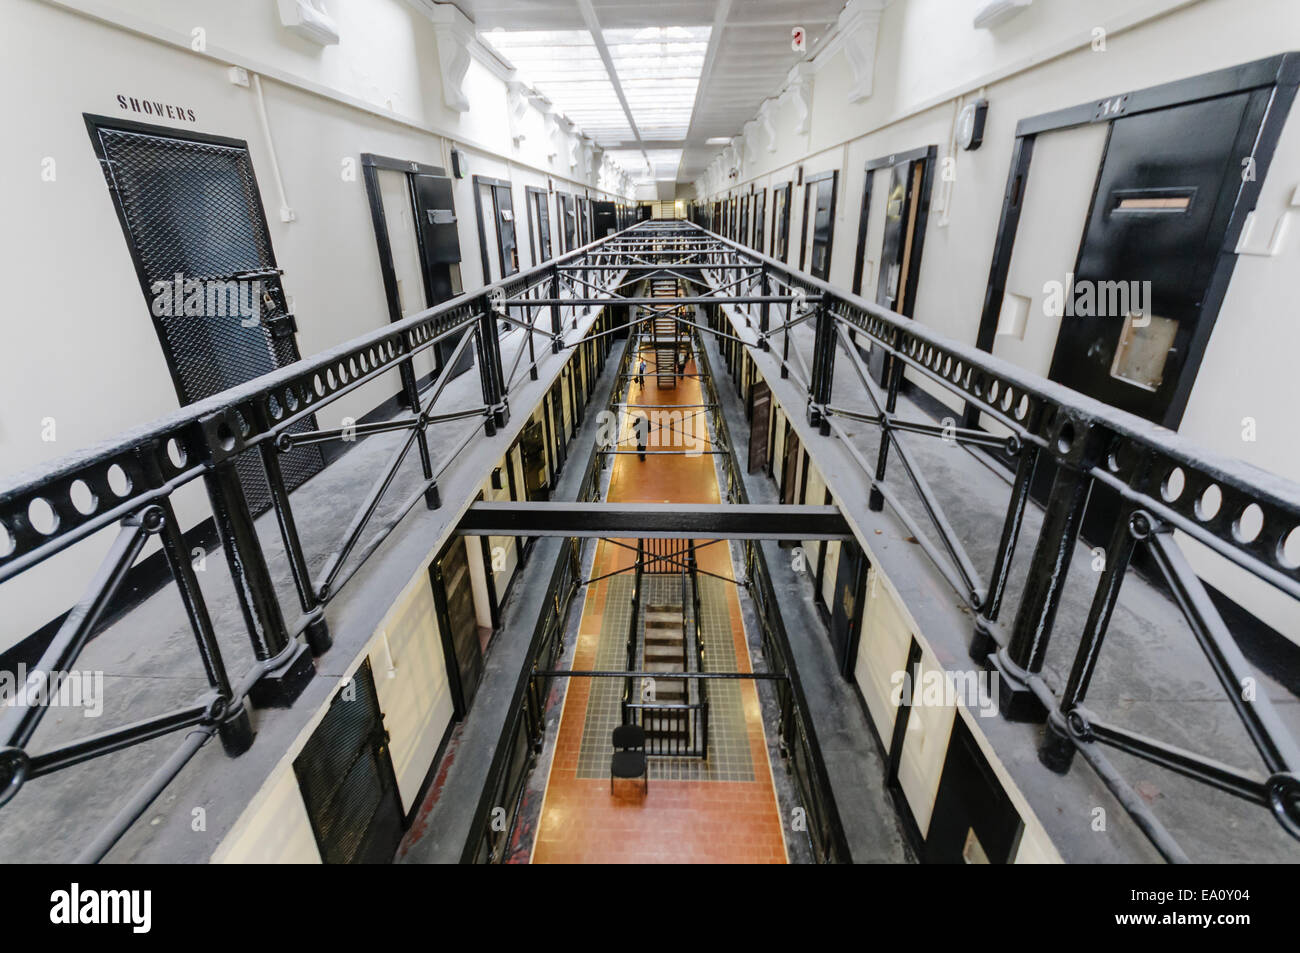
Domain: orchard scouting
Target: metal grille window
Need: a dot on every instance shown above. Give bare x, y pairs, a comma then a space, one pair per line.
347, 780
192, 216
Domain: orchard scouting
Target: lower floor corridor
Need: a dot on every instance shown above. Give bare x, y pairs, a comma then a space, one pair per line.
722, 808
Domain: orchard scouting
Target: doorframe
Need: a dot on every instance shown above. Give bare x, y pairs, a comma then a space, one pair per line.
787, 191
94, 123
543, 199
479, 181
371, 165
1282, 72
834, 176
928, 155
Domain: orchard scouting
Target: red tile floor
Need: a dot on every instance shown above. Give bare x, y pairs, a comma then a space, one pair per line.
676, 821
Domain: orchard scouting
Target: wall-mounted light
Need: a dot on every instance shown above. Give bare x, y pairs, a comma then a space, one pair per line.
970, 124
458, 163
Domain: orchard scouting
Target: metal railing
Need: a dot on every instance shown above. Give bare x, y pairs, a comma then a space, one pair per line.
673, 729
521, 739
796, 736
1163, 482
128, 482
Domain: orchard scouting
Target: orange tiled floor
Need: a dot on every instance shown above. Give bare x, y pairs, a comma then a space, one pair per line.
677, 821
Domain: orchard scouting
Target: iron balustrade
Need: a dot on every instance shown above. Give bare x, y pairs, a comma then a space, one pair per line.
521, 739
129, 481
1164, 483
673, 729
795, 734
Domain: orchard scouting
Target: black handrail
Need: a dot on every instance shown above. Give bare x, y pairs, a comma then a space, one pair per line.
1163, 481
798, 740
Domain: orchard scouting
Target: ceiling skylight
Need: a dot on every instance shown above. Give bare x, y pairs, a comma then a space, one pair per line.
566, 68
659, 69
661, 164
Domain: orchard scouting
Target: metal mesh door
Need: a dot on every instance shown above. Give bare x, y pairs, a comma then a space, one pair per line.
193, 218
347, 780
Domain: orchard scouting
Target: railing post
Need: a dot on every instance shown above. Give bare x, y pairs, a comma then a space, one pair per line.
1073, 442
765, 310
488, 345
235, 729
317, 633
894, 379
1056, 749
292, 666
555, 309
983, 644
823, 369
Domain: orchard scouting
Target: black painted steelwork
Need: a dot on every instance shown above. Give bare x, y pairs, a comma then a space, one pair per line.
521, 739
1165, 482
656, 520
130, 481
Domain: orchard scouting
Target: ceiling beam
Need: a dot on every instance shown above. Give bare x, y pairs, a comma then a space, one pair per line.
598, 37
656, 520
715, 39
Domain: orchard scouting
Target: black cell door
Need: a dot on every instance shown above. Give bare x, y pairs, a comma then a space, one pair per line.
439, 241
453, 594
974, 821
819, 223
1165, 193
506, 230
846, 612
532, 446
192, 215
346, 778
603, 219
900, 222
568, 222
435, 211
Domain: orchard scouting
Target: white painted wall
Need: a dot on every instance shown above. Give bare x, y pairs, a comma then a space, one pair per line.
930, 60
86, 330
274, 829
411, 681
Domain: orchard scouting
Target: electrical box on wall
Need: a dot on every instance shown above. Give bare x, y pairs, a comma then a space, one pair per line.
457, 163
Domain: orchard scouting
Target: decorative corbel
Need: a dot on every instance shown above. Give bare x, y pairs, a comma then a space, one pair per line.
858, 25
517, 96
454, 33
570, 130
767, 122
750, 130
798, 91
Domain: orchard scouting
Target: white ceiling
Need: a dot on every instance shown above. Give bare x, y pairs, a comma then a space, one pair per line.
745, 61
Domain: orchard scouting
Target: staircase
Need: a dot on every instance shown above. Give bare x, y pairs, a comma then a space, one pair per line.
664, 335
665, 651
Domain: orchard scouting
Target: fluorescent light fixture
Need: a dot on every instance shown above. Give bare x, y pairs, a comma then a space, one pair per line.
717, 141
